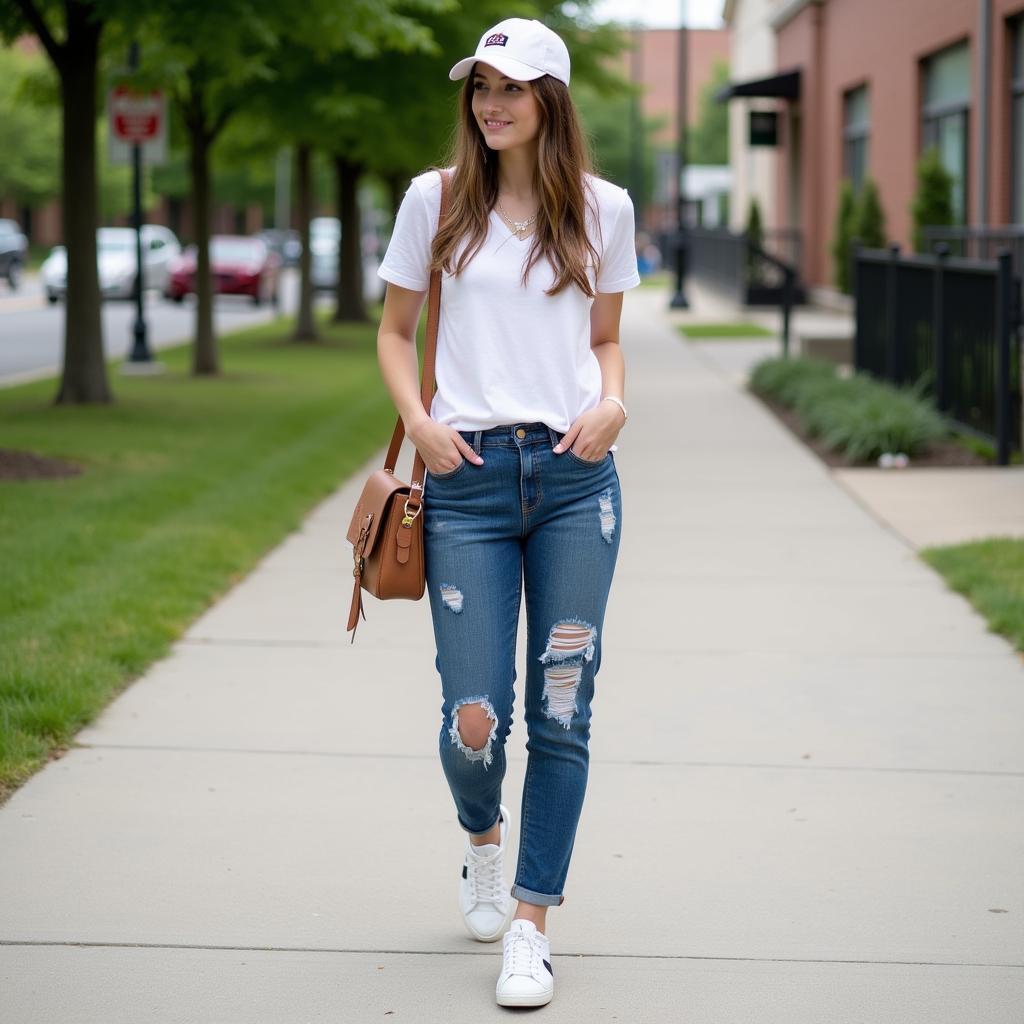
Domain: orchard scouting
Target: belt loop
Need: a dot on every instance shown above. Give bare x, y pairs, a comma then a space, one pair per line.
476, 441
553, 434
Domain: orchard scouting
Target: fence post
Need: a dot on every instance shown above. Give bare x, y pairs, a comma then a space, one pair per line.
892, 360
787, 306
939, 329
1004, 330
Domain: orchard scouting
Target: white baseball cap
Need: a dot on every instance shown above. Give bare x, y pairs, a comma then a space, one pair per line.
519, 48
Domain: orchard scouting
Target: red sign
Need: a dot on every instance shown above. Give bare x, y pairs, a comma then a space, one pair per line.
135, 116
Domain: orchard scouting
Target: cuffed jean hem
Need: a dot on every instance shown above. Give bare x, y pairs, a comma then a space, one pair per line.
482, 832
539, 898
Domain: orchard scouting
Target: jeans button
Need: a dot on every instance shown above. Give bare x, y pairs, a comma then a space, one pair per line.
520, 433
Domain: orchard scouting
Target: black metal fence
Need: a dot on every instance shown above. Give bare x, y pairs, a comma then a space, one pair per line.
950, 322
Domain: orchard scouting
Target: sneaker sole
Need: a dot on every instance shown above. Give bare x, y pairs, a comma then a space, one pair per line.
538, 1000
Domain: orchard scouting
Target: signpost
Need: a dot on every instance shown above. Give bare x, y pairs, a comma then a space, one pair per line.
137, 122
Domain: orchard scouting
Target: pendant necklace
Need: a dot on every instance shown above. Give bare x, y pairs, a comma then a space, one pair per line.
518, 226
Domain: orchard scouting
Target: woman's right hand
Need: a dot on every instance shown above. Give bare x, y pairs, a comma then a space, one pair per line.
442, 447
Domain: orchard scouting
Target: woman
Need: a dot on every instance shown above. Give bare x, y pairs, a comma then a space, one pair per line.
521, 484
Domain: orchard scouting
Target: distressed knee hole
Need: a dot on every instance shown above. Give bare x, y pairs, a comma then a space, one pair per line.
452, 597
474, 728
570, 644
606, 515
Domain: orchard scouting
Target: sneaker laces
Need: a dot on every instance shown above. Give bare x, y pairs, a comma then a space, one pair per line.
522, 956
486, 878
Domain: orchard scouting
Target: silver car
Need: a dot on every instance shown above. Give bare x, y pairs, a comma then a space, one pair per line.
116, 262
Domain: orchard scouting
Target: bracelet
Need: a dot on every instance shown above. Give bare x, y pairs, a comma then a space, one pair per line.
618, 402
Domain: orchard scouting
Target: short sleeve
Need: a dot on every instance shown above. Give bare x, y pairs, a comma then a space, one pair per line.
407, 260
618, 269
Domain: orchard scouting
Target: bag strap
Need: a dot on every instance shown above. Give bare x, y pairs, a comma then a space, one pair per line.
429, 355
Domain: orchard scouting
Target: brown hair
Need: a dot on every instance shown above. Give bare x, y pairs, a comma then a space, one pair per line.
563, 157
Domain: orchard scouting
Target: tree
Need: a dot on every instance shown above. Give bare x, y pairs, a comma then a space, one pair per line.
755, 241
29, 129
70, 33
869, 217
708, 141
844, 234
933, 200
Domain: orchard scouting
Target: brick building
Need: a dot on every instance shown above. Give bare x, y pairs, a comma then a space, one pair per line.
861, 88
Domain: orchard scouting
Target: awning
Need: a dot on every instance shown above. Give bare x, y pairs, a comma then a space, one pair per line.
783, 86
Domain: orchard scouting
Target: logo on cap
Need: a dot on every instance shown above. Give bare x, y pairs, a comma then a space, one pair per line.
498, 39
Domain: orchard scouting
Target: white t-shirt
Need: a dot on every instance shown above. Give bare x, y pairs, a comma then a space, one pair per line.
505, 353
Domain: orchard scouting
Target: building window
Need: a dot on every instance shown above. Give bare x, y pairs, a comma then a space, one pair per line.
1017, 127
947, 99
856, 131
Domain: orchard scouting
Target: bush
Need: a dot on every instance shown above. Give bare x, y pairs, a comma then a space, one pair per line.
860, 417
869, 217
933, 200
783, 379
755, 238
844, 234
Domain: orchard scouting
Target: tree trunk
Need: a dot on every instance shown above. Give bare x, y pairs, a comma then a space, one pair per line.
305, 327
396, 184
349, 305
84, 377
204, 350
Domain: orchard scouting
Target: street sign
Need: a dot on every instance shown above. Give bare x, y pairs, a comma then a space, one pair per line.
136, 117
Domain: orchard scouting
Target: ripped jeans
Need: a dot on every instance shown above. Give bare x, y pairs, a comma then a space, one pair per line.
552, 522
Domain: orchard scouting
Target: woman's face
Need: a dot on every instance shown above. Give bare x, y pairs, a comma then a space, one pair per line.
506, 110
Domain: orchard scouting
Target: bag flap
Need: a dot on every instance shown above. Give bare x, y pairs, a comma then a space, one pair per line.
377, 492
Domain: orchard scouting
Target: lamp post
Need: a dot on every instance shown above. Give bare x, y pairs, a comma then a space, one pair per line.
679, 299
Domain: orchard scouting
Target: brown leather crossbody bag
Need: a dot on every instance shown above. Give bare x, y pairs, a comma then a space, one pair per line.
386, 531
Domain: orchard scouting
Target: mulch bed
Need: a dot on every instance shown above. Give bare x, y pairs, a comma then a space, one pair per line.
18, 465
941, 453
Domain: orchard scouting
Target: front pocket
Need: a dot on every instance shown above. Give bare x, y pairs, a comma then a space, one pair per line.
587, 462
447, 476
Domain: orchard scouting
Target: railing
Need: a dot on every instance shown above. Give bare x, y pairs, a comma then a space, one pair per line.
726, 262
950, 323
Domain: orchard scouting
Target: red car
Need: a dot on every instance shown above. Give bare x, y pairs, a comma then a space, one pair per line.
240, 266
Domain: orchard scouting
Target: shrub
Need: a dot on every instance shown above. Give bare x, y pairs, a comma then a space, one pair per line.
933, 200
858, 416
869, 217
844, 235
783, 379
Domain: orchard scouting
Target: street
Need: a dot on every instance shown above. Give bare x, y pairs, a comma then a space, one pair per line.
32, 331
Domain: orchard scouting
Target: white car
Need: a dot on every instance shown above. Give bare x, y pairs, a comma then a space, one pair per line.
115, 259
324, 238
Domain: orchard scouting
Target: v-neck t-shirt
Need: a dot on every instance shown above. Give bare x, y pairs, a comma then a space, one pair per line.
508, 353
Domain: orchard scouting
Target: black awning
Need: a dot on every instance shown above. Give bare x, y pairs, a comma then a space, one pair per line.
783, 86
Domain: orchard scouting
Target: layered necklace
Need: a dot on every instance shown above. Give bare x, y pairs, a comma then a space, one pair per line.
517, 226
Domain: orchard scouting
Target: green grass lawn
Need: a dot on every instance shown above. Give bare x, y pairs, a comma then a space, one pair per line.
187, 482
736, 330
990, 574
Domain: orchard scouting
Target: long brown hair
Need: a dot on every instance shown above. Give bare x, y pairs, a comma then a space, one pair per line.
563, 157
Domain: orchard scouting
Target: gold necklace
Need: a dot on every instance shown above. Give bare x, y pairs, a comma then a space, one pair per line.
518, 226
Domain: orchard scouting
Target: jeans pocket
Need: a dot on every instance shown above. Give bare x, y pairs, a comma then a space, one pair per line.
447, 476
588, 462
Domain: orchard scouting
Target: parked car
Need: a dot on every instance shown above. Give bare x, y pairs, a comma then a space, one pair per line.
324, 238
240, 265
286, 243
13, 252
116, 262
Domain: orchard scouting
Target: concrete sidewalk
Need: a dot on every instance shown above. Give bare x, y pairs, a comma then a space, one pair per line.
804, 805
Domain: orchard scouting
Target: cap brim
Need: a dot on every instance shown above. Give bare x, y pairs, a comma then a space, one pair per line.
508, 66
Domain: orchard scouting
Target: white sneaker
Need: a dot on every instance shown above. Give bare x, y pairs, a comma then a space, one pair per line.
484, 898
526, 977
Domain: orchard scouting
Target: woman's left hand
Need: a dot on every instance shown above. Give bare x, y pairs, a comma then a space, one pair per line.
593, 432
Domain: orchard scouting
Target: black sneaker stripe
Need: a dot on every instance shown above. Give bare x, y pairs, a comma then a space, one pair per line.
548, 966
464, 871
